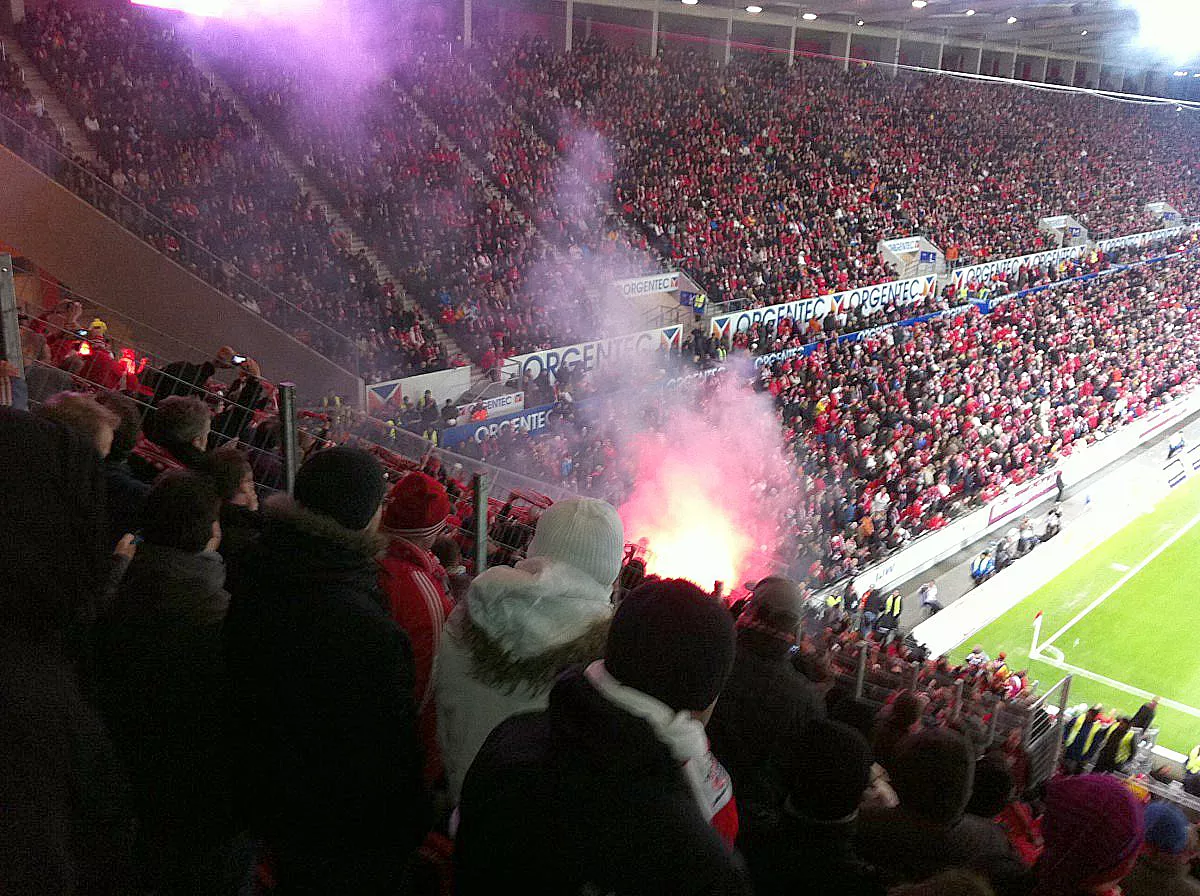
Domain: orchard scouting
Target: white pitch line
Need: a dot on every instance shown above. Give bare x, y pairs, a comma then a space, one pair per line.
1121, 581
1116, 685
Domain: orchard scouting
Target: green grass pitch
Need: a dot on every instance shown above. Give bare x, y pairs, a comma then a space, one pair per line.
1143, 635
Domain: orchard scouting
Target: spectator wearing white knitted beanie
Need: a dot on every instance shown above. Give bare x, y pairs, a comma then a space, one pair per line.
518, 627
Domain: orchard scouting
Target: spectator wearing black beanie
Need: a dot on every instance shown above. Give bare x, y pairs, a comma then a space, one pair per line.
768, 704
323, 717
828, 771
600, 792
933, 773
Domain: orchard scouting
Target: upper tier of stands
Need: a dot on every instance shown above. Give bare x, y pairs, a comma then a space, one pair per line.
171, 143
486, 179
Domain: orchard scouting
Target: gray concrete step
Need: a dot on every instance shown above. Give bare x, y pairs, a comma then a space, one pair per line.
72, 133
352, 238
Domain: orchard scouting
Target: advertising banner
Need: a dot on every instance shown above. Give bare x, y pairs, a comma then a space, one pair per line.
640, 286
500, 404
903, 245
868, 299
449, 383
765, 360
1142, 239
530, 420
596, 355
1009, 266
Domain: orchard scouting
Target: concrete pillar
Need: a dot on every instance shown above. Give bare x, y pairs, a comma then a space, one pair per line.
941, 51
792, 47
1069, 72
729, 38
1042, 71
846, 52
1012, 66
654, 32
896, 58
466, 24
570, 25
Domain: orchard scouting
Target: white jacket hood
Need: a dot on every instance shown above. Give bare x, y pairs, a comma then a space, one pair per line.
537, 605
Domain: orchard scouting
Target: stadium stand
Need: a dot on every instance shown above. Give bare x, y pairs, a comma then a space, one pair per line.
191, 160
407, 669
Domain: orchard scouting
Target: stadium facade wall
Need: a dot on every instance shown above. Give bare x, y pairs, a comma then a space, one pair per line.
101, 260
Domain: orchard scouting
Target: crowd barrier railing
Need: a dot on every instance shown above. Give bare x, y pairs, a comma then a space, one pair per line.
1044, 735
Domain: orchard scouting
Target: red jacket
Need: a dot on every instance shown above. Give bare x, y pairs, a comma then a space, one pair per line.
414, 585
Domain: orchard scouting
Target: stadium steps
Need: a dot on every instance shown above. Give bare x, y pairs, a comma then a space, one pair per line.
356, 243
74, 135
630, 232
479, 379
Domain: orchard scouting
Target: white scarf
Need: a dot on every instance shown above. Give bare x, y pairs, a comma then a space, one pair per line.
680, 732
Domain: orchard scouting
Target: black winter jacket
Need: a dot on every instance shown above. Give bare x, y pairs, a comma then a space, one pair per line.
799, 855
322, 710
583, 798
763, 711
162, 687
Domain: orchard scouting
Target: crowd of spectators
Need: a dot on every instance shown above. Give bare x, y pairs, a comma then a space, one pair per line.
893, 435
461, 250
34, 133
767, 183
169, 141
295, 697
764, 183
511, 260
202, 694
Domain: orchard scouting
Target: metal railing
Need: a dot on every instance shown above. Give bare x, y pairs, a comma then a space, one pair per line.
1043, 737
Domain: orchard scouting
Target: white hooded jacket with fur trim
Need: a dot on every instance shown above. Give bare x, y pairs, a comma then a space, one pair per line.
504, 645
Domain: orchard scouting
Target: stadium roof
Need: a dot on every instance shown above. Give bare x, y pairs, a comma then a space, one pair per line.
1098, 28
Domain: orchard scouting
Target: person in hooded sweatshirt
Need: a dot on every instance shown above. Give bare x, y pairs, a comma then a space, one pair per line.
520, 626
322, 718
612, 788
162, 681
933, 773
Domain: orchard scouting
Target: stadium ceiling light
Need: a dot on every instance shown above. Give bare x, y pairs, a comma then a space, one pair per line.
920, 4
1180, 74
754, 10
969, 12
1083, 33
860, 23
689, 2
809, 16
1012, 20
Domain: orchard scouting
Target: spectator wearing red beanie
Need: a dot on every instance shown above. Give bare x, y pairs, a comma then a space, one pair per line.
414, 584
